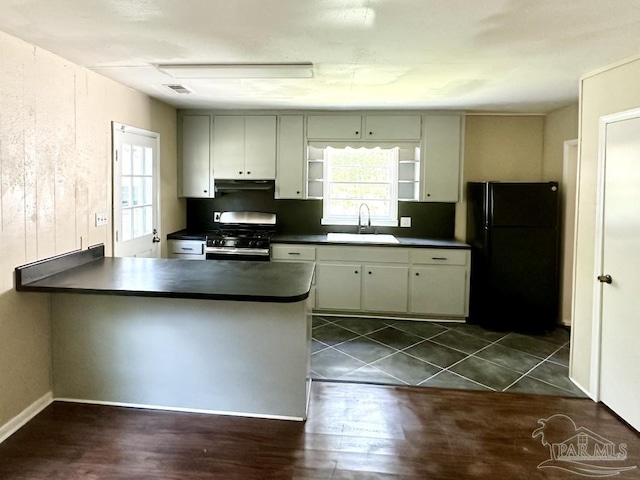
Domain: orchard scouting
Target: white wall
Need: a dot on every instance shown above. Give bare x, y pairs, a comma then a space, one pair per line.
559, 125
611, 91
55, 167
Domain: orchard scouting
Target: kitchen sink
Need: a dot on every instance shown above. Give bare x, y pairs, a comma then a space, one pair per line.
361, 238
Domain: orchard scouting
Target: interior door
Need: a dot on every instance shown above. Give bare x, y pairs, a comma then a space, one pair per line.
136, 199
620, 322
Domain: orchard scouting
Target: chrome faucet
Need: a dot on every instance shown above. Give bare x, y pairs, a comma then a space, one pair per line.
360, 227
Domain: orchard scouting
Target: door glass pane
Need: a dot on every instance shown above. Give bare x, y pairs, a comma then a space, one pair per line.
148, 220
148, 190
126, 225
138, 160
148, 161
138, 222
126, 192
126, 159
138, 194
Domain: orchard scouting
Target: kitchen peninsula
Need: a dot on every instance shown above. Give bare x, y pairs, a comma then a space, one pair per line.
215, 337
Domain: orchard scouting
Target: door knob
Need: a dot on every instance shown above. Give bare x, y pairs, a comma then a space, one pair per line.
604, 278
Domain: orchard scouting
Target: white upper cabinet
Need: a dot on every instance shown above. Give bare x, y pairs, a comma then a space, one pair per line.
334, 127
392, 127
291, 157
364, 127
442, 157
195, 149
244, 147
228, 147
260, 147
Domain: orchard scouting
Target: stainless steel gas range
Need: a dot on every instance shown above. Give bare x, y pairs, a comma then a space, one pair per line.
241, 236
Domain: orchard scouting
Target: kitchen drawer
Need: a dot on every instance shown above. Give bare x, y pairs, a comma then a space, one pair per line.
439, 256
292, 252
187, 247
363, 254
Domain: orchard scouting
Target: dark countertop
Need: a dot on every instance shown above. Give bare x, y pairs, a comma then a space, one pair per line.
404, 242
171, 278
321, 239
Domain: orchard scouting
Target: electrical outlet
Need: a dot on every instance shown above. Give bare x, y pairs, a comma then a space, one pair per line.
405, 221
216, 216
101, 219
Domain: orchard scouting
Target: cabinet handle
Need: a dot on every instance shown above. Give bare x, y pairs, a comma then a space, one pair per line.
370, 133
356, 271
186, 248
294, 253
357, 133
439, 258
417, 274
428, 194
248, 173
297, 192
239, 173
369, 273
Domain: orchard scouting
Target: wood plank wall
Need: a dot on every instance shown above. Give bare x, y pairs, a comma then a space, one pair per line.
55, 171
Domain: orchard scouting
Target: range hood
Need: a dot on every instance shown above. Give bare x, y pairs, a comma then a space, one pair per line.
242, 185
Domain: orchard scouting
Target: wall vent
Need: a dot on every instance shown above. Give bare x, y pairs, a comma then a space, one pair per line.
181, 89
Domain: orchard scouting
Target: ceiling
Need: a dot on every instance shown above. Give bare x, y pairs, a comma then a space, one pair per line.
490, 55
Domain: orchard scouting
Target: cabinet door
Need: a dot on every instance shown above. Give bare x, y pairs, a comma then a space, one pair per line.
334, 127
338, 286
291, 158
393, 127
385, 289
195, 156
260, 147
228, 147
439, 290
442, 157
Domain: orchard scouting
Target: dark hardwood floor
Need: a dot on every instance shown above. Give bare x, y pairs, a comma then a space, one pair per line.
353, 432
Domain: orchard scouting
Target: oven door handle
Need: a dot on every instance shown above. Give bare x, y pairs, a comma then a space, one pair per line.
237, 251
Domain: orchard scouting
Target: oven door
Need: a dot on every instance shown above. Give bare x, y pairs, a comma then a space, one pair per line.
245, 254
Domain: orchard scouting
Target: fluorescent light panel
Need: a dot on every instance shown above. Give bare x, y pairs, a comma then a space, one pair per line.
239, 70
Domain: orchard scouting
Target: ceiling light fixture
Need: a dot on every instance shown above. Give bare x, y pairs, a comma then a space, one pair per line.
239, 70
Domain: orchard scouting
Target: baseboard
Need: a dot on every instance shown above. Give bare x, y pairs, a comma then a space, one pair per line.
181, 409
17, 422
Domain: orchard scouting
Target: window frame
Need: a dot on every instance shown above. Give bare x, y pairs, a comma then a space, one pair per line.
390, 220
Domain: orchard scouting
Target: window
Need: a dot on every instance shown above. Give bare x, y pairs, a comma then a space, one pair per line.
354, 176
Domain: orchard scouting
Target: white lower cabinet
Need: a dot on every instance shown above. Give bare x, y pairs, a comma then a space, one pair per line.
384, 288
369, 280
338, 286
439, 290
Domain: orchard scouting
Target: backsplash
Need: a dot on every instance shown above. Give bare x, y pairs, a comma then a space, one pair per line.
428, 220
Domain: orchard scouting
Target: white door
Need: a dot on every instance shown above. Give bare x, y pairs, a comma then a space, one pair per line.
136, 193
620, 321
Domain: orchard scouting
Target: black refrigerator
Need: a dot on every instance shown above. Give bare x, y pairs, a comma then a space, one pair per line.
512, 228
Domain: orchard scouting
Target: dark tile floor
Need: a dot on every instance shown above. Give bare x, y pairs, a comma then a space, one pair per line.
453, 355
